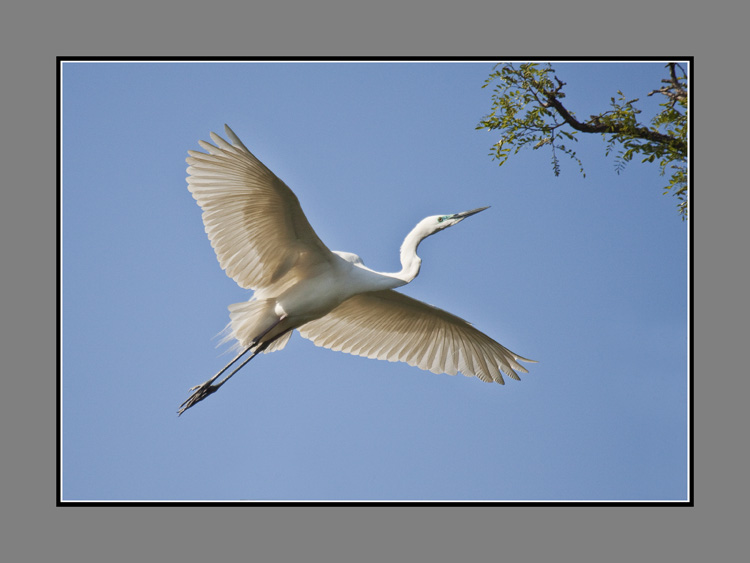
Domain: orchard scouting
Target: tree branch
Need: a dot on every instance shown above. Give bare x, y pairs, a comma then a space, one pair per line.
676, 90
595, 127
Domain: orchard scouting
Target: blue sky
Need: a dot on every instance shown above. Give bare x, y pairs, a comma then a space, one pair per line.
586, 275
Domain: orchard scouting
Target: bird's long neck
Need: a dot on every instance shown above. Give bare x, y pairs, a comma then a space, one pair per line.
410, 262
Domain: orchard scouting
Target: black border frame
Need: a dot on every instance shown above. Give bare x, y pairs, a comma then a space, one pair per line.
691, 403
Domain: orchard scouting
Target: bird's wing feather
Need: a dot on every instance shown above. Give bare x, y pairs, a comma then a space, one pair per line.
253, 220
388, 325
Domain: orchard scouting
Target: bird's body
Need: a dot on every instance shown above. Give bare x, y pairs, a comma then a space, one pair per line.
327, 286
264, 242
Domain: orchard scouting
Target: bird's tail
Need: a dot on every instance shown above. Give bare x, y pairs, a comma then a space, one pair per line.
249, 320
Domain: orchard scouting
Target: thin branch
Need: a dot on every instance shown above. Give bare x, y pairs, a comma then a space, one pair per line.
642, 132
676, 90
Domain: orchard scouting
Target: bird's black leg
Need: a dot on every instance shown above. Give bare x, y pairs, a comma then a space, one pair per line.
207, 388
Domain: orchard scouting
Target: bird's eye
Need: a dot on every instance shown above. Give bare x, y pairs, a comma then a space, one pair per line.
440, 219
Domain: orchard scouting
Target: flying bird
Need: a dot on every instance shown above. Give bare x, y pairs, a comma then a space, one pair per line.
264, 242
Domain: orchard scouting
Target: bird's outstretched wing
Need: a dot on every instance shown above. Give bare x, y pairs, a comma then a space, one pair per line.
388, 325
253, 220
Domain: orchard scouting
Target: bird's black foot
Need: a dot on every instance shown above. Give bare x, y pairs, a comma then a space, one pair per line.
201, 392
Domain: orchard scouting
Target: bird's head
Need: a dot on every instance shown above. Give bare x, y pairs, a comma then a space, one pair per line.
426, 227
435, 223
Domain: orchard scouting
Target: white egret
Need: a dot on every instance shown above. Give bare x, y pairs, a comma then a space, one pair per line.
264, 242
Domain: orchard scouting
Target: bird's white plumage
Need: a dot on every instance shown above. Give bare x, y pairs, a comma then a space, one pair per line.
387, 325
264, 242
254, 221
